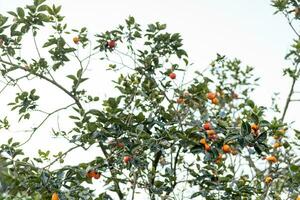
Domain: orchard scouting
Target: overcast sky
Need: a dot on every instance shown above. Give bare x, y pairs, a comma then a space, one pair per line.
244, 29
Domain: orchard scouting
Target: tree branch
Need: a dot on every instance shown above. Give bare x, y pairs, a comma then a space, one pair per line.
45, 78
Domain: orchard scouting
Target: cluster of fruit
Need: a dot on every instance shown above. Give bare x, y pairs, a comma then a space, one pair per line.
110, 43
212, 96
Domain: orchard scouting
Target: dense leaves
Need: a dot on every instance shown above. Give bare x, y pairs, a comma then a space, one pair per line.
151, 134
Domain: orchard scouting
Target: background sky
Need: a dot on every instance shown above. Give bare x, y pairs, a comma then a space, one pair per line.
242, 29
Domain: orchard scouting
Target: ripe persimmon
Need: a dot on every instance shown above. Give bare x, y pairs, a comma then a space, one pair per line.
254, 127
206, 147
97, 175
203, 141
180, 100
268, 179
172, 75
276, 145
55, 196
76, 40
219, 158
215, 101
226, 148
111, 44
211, 95
91, 174
207, 126
271, 159
211, 132
127, 159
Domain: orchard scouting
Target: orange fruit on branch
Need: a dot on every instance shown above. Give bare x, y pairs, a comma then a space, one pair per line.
203, 141
206, 147
97, 175
226, 148
207, 126
215, 101
268, 179
91, 174
76, 40
127, 159
271, 159
276, 145
254, 127
211, 95
172, 75
55, 196
180, 100
111, 44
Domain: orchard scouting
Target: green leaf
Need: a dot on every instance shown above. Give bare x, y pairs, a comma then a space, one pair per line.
262, 137
20, 12
43, 17
74, 78
250, 103
44, 8
257, 149
151, 28
294, 168
254, 118
12, 13
245, 128
196, 194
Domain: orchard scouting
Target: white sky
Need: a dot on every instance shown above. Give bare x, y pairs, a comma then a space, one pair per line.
244, 29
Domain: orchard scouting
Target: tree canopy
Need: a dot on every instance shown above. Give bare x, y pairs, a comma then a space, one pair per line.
160, 136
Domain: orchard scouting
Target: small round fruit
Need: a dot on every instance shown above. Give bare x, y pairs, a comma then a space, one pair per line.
213, 137
281, 131
76, 40
268, 179
276, 145
211, 95
298, 198
206, 147
120, 145
276, 137
226, 148
271, 159
254, 127
55, 196
207, 126
91, 174
172, 75
127, 159
180, 100
203, 141
111, 44
97, 175
211, 132
215, 101
219, 158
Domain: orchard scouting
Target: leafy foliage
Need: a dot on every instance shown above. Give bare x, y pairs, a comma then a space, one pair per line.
151, 134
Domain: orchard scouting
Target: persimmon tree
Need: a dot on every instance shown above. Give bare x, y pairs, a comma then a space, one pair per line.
162, 136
